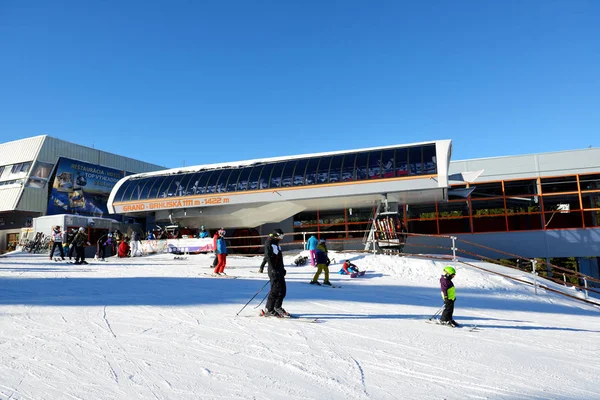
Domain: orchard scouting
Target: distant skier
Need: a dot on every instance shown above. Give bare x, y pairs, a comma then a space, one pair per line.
322, 264
123, 250
57, 239
311, 246
203, 233
79, 241
221, 253
277, 272
103, 241
135, 244
449, 296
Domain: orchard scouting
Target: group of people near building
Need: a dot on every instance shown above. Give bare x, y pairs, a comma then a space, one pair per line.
73, 242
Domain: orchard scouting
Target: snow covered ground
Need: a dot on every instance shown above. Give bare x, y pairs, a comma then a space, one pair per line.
159, 328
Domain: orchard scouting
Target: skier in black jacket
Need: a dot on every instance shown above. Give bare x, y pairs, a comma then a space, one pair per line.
277, 273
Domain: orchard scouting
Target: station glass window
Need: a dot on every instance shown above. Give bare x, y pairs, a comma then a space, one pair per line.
559, 185
375, 164
323, 170
348, 167
429, 159
311, 171
288, 173
157, 181
265, 176
253, 178
520, 187
298, 173
523, 204
488, 207
589, 182
335, 169
453, 209
176, 187
211, 184
401, 162
565, 202
193, 186
484, 190
387, 164
276, 175
243, 179
421, 211
222, 183
361, 166
202, 181
126, 190
232, 180
185, 180
415, 159
590, 200
162, 191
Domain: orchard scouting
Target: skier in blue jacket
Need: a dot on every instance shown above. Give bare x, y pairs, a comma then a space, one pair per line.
311, 246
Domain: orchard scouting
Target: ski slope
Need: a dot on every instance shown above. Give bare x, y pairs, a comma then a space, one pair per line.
159, 328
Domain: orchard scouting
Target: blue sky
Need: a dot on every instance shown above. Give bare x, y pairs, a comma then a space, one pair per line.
194, 82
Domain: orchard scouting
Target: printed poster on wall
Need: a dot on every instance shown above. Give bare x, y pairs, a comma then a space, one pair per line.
82, 188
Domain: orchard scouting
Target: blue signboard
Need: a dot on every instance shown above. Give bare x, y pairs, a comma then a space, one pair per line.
81, 188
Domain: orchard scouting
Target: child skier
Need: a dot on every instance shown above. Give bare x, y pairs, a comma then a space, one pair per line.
449, 296
348, 268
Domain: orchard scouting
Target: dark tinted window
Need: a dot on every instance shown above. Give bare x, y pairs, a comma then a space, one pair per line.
185, 180
232, 180
243, 179
415, 159
193, 186
222, 183
589, 182
153, 193
253, 179
361, 166
483, 190
335, 169
211, 184
162, 191
375, 164
276, 175
288, 174
144, 185
387, 164
429, 159
348, 168
265, 176
311, 171
299, 172
558, 185
401, 162
323, 170
521, 187
176, 188
125, 191
202, 181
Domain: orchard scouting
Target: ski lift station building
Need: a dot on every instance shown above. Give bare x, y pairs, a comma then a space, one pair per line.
535, 205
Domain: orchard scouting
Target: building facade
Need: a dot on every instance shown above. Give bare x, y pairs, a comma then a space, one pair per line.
43, 175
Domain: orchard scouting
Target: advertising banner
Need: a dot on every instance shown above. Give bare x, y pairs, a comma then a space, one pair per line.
81, 188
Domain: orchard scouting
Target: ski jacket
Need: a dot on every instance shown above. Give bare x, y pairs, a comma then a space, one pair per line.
447, 287
322, 257
70, 237
203, 234
123, 249
102, 240
221, 246
274, 256
57, 236
347, 266
80, 238
312, 243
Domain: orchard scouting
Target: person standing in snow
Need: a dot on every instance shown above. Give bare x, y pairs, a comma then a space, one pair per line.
277, 273
57, 239
70, 244
311, 246
103, 241
322, 264
221, 253
135, 244
215, 239
449, 296
79, 241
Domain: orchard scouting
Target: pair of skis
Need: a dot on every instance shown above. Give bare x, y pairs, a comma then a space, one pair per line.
290, 317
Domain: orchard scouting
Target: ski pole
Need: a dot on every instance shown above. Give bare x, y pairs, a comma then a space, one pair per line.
436, 314
262, 300
255, 294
